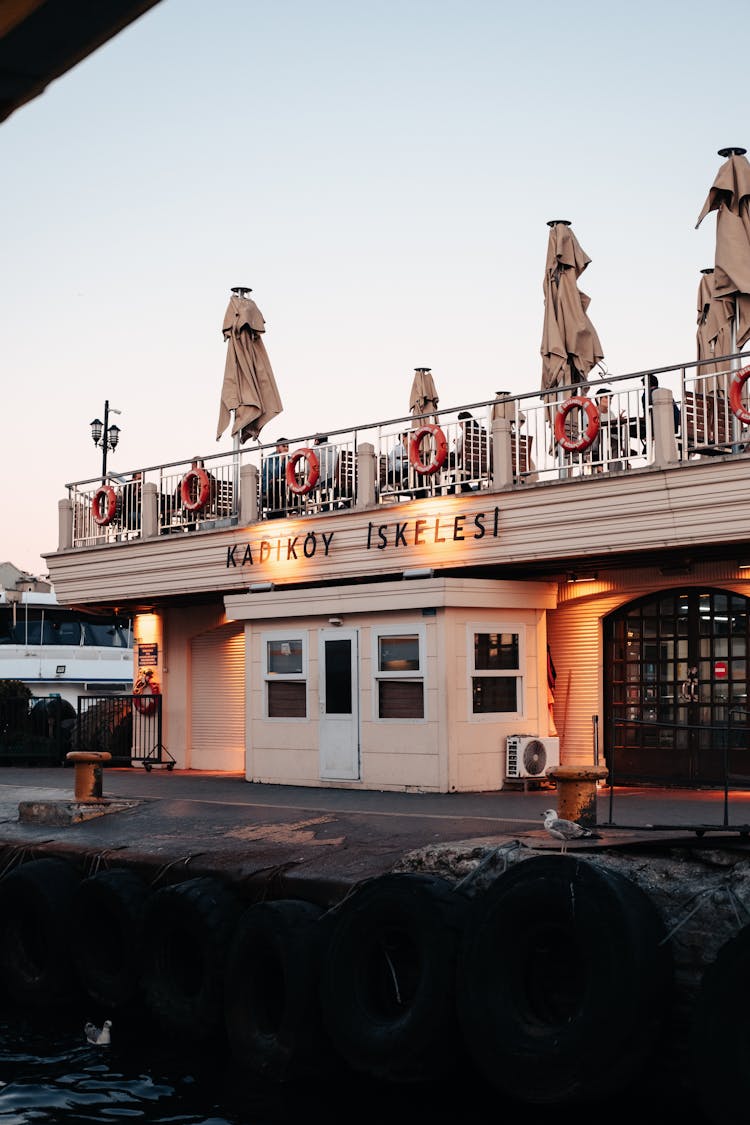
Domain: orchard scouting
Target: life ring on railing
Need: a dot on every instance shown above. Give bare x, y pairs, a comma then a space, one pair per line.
311, 477
440, 452
735, 395
145, 689
104, 514
195, 489
593, 423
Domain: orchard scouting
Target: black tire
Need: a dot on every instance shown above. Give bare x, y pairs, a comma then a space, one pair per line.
720, 1038
388, 977
36, 961
272, 1008
563, 985
109, 911
188, 928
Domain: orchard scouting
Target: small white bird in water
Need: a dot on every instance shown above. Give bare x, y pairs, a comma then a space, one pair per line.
99, 1036
566, 830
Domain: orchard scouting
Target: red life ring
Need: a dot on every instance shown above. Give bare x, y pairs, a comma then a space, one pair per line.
439, 454
311, 477
592, 425
104, 515
735, 395
144, 696
195, 498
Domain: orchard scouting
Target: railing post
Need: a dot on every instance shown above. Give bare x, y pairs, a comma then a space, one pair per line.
150, 510
665, 441
248, 494
502, 454
365, 476
64, 525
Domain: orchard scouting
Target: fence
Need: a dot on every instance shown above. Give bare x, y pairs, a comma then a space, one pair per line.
35, 731
128, 727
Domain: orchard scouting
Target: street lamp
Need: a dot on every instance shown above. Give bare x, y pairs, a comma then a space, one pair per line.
105, 436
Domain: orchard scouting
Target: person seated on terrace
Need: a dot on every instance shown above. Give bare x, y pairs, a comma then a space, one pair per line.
470, 460
273, 480
398, 463
611, 443
326, 454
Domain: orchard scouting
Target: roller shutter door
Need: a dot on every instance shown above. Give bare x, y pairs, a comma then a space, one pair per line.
218, 699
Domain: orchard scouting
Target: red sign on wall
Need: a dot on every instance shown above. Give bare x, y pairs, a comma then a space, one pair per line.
720, 670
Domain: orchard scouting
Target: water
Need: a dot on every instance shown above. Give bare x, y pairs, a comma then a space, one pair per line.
50, 1074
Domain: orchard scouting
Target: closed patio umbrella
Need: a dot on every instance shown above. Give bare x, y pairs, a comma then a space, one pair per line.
729, 196
714, 334
249, 388
570, 344
423, 398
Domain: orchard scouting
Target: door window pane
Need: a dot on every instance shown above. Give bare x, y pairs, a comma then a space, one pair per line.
338, 665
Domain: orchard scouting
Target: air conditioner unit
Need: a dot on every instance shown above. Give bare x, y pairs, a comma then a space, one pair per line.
528, 755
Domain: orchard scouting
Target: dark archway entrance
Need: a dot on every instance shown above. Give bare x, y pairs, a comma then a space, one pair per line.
676, 689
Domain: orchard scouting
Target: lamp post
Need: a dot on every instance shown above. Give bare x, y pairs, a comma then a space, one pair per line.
105, 436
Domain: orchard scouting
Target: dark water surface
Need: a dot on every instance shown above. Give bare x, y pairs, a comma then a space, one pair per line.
50, 1074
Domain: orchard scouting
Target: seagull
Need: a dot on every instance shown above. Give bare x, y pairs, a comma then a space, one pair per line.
566, 830
99, 1036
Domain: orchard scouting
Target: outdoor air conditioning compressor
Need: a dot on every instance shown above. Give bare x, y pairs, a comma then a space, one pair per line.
528, 755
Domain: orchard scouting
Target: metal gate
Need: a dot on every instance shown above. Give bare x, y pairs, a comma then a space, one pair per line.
676, 689
129, 727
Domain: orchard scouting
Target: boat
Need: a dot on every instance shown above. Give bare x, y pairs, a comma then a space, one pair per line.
60, 651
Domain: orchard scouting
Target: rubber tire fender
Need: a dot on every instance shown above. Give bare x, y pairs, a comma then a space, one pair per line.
110, 905
36, 906
188, 928
272, 1005
564, 981
720, 1039
388, 977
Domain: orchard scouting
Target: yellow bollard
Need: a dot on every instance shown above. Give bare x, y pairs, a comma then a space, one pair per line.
88, 774
576, 786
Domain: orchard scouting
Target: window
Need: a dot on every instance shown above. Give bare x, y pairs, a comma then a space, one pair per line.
285, 675
496, 676
399, 674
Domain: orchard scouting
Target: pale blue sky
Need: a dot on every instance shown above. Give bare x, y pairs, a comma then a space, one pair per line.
381, 175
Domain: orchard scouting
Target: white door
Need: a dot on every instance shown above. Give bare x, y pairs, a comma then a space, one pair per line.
339, 705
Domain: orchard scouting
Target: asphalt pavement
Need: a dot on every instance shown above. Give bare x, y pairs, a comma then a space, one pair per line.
329, 838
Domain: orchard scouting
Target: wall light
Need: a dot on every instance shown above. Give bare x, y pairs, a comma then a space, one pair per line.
335, 621
261, 587
583, 578
744, 564
419, 572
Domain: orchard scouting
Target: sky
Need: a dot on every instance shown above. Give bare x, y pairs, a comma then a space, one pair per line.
381, 176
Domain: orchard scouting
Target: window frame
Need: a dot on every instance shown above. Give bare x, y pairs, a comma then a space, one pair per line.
287, 677
418, 675
515, 628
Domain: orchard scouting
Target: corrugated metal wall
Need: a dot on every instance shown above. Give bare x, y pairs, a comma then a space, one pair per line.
217, 680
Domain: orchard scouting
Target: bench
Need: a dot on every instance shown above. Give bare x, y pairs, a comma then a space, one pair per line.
706, 424
344, 478
520, 445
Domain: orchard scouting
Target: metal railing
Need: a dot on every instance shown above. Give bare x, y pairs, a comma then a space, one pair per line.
327, 477
724, 737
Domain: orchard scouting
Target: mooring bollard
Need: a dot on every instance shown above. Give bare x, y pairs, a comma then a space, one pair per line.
88, 773
576, 786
